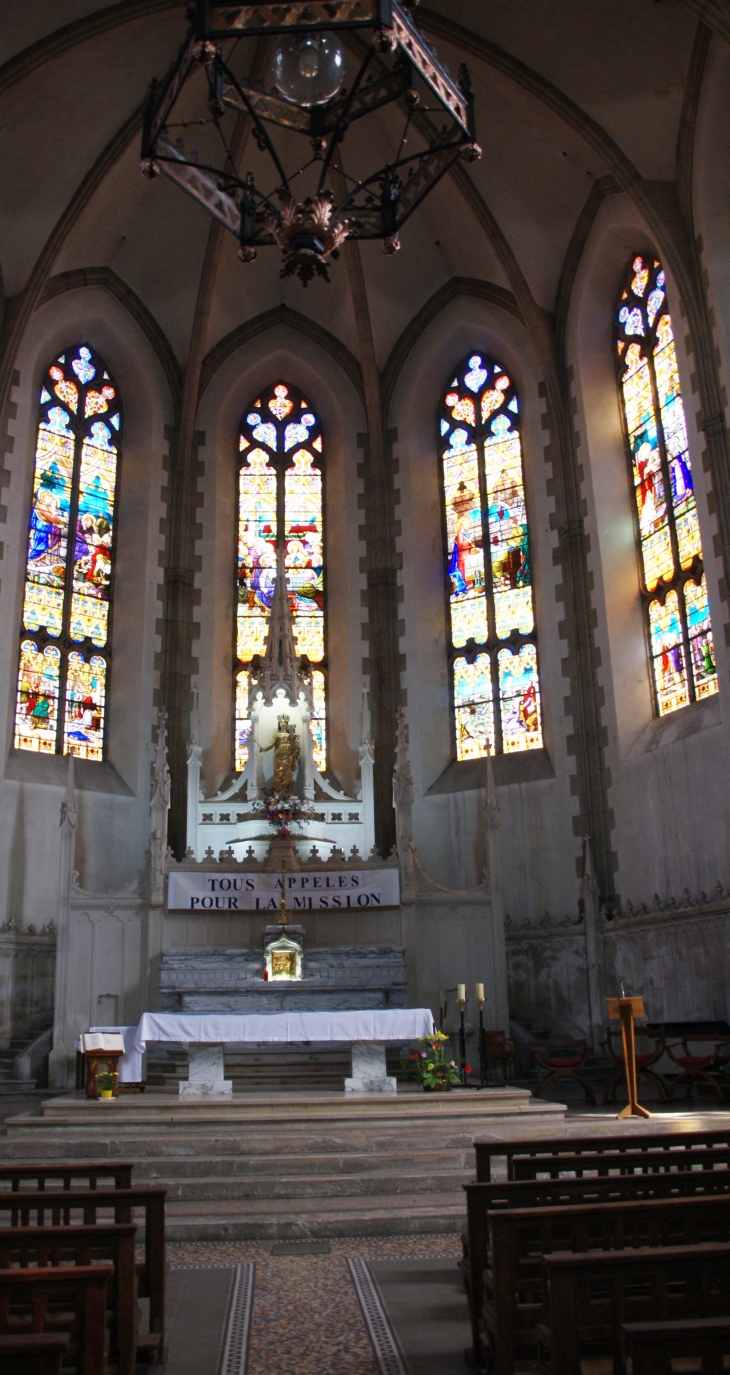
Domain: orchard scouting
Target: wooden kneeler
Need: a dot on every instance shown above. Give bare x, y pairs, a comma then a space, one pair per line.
625, 1010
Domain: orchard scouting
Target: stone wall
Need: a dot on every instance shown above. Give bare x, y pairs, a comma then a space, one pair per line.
27, 962
676, 955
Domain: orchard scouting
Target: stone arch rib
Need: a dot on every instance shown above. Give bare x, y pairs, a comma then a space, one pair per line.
268, 320
108, 280
475, 288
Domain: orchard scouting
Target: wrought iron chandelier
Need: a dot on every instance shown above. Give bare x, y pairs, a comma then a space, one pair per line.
310, 210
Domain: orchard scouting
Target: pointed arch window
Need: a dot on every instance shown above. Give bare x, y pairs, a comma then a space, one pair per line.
493, 649
63, 675
280, 496
673, 582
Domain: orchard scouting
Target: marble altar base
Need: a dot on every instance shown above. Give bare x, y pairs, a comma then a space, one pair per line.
369, 1074
206, 1074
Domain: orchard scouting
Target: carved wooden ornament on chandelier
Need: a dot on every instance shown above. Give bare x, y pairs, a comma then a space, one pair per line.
317, 89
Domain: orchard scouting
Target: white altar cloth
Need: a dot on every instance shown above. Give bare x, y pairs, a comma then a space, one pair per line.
209, 1028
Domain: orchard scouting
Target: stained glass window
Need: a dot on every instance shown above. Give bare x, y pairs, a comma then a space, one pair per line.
491, 613
64, 654
673, 584
280, 496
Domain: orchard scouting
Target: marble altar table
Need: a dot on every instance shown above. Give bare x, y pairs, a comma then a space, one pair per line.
207, 1034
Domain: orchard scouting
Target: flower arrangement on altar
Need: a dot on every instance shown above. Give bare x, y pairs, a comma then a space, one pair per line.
431, 1067
282, 811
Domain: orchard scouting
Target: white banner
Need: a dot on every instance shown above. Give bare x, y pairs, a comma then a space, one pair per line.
331, 891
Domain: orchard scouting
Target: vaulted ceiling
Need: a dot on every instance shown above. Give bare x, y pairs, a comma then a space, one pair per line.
567, 92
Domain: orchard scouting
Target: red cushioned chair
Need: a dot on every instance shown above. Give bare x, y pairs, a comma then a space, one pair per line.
645, 1058
563, 1060
695, 1069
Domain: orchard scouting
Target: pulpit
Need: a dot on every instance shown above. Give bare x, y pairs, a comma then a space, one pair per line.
626, 1010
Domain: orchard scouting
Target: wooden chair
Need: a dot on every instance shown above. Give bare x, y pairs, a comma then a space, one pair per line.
675, 1137
23, 1247
38, 1353
592, 1295
702, 1344
563, 1060
64, 1208
500, 1052
81, 1292
693, 1069
645, 1058
59, 1174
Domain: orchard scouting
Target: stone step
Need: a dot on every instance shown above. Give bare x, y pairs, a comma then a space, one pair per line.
301, 1187
261, 1219
398, 1156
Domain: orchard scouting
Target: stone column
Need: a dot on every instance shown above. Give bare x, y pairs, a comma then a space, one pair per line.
499, 951
367, 793
195, 754
159, 807
403, 805
590, 905
62, 1059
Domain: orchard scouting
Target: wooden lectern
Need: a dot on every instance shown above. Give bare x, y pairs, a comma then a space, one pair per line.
625, 1010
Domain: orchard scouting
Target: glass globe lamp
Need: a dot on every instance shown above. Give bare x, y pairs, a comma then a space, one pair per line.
308, 69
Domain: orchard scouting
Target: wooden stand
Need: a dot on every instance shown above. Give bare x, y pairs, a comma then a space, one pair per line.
97, 1060
626, 1009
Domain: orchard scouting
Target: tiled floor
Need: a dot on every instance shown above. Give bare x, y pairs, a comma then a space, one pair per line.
306, 1317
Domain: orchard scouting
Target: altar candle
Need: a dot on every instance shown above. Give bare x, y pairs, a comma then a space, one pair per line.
461, 993
480, 993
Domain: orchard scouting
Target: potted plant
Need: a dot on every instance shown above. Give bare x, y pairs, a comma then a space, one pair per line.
105, 1081
434, 1072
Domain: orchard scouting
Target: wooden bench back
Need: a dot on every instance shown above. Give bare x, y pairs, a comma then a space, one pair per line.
67, 1174
621, 1162
35, 1353
679, 1139
67, 1207
81, 1246
483, 1199
591, 1296
82, 1289
519, 1238
652, 1346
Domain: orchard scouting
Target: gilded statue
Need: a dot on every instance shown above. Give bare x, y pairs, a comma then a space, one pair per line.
286, 747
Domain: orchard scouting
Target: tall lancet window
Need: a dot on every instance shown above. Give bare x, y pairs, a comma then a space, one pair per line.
64, 640
493, 652
673, 583
280, 496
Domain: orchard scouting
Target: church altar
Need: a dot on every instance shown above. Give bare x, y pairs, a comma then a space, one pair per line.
206, 1035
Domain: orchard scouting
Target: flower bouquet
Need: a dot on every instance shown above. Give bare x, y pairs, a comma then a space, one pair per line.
283, 812
430, 1066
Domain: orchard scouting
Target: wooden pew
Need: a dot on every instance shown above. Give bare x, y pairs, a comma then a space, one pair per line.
516, 1303
621, 1162
81, 1246
59, 1174
81, 1290
591, 1296
487, 1151
38, 1353
483, 1199
65, 1207
652, 1346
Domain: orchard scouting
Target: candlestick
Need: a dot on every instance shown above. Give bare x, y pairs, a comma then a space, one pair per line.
462, 1039
480, 993
461, 993
483, 1063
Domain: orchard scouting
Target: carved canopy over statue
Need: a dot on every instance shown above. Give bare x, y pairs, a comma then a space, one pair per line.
287, 751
